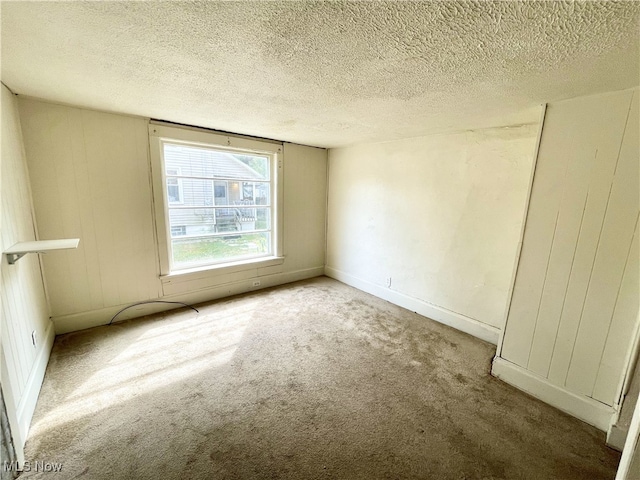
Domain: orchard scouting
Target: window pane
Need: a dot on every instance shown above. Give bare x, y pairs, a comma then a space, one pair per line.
173, 192
220, 193
200, 192
178, 231
198, 251
193, 221
204, 221
190, 191
257, 164
210, 163
218, 204
254, 193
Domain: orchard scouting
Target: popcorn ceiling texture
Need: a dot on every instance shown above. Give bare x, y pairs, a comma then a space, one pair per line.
321, 73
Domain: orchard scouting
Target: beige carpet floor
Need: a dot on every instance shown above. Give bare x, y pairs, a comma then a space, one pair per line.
312, 380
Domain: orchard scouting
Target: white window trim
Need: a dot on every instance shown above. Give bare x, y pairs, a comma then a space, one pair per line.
159, 132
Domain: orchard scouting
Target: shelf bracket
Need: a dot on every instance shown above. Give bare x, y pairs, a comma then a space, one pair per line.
14, 257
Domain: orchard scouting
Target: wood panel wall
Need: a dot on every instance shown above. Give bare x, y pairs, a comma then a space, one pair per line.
22, 294
575, 301
91, 181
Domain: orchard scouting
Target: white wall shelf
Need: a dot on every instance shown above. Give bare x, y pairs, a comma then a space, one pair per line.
20, 249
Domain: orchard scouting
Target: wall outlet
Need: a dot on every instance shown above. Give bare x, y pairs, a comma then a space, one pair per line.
34, 339
256, 283
388, 281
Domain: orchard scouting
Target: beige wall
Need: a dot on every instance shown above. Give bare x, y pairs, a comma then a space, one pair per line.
24, 304
440, 215
574, 310
91, 179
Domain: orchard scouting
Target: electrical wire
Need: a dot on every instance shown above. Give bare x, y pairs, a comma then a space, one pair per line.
150, 301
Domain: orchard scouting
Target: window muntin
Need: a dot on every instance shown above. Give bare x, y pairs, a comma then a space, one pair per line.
219, 204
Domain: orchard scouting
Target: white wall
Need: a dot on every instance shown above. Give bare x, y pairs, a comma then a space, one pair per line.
24, 304
441, 215
91, 179
574, 310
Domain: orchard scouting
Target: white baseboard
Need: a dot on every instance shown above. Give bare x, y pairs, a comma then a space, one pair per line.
468, 325
27, 404
586, 409
95, 318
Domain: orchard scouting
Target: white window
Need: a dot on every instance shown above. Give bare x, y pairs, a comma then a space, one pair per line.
217, 199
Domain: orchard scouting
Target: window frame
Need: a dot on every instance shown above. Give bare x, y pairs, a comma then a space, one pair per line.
160, 133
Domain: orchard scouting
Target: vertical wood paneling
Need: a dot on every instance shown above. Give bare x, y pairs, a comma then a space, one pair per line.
574, 305
592, 145
90, 179
305, 187
608, 119
103, 188
624, 320
546, 194
119, 136
569, 222
60, 156
88, 247
614, 243
24, 306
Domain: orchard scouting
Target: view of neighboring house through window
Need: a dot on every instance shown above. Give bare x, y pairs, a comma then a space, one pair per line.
219, 204
174, 185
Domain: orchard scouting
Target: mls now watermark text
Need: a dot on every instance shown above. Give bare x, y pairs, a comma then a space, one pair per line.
29, 466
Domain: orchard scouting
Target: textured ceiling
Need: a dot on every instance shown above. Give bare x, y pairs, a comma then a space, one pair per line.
321, 73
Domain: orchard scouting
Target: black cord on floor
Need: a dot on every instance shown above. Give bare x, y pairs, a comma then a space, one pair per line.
150, 301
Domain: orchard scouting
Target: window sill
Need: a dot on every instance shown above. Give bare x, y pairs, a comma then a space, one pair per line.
209, 276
